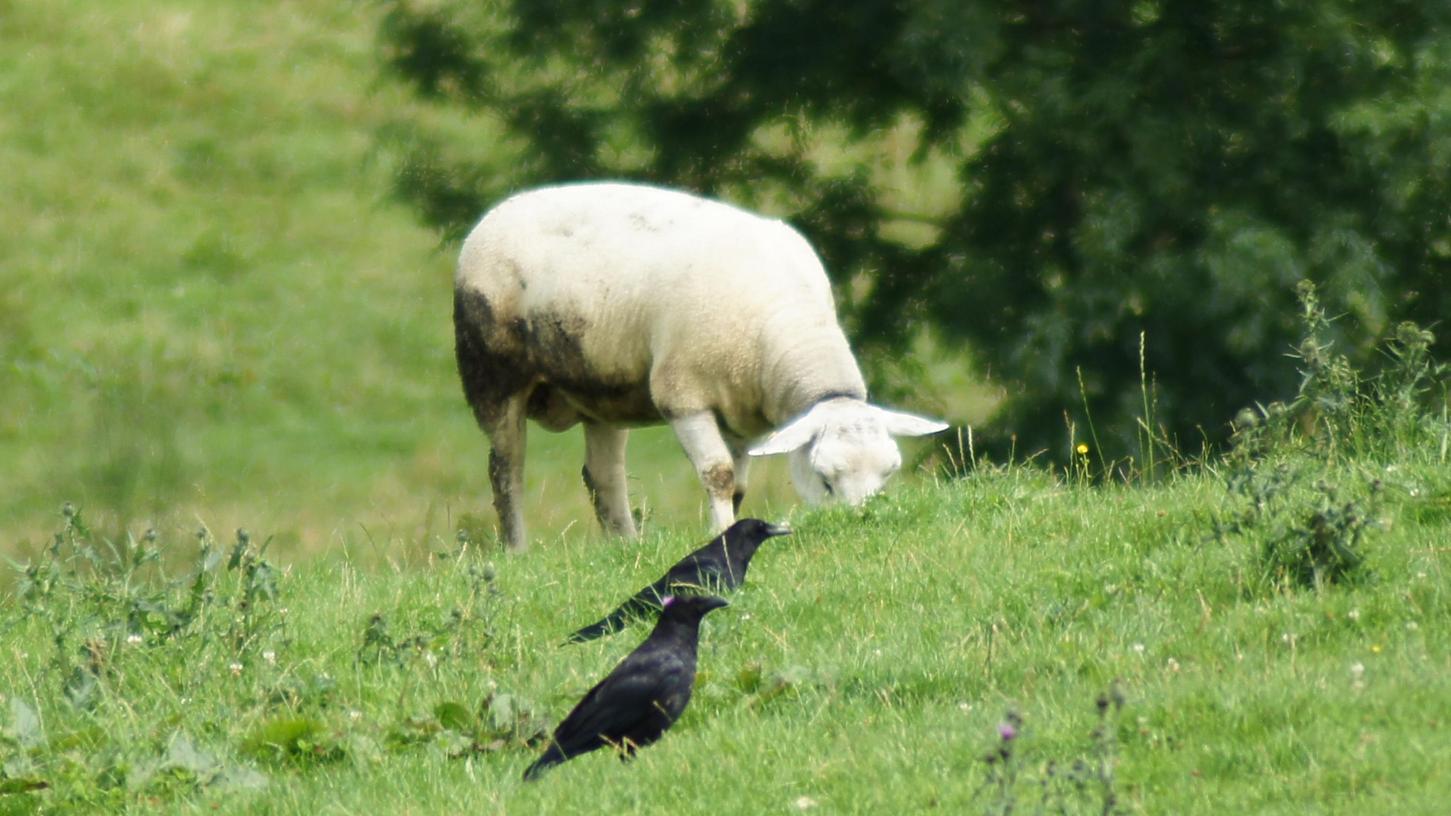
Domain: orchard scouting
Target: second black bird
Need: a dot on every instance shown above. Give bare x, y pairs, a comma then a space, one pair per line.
719, 566
642, 696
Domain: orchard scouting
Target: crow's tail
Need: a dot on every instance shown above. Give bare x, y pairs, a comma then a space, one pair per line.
551, 757
636, 607
607, 625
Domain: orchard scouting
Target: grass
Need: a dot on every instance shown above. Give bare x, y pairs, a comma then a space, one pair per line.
203, 268
865, 667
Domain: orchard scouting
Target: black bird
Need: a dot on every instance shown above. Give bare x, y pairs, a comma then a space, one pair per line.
643, 696
718, 566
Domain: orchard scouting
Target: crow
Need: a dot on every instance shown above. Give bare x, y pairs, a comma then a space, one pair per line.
642, 697
718, 566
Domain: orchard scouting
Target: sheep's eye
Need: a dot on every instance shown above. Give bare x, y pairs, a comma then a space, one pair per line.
830, 491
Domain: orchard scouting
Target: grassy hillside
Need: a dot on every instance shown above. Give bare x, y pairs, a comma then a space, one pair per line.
210, 307
866, 667
211, 316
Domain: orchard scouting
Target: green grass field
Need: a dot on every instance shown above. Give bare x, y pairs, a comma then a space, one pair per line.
212, 316
865, 667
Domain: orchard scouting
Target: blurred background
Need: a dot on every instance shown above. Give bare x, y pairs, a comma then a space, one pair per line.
229, 228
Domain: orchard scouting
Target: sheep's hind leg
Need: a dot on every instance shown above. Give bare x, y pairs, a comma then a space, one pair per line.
506, 470
700, 436
604, 477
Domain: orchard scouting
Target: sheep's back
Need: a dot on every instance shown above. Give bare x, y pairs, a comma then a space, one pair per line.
615, 276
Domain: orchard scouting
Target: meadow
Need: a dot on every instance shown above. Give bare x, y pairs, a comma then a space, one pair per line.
213, 310
251, 565
1128, 635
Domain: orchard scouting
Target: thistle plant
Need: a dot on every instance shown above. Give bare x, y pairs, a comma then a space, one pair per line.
1081, 784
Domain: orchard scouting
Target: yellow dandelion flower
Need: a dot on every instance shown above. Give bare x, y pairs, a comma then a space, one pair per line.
1082, 449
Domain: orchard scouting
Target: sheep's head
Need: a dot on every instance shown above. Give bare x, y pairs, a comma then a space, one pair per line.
842, 449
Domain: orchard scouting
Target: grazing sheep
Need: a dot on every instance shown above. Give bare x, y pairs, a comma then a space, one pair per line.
618, 304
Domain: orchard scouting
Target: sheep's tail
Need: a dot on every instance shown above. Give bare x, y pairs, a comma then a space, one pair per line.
551, 757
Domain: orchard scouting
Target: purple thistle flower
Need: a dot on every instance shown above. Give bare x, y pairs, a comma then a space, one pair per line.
1007, 731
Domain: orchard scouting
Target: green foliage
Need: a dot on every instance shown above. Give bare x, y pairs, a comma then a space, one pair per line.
1339, 412
173, 683
459, 632
1303, 477
1310, 535
1048, 183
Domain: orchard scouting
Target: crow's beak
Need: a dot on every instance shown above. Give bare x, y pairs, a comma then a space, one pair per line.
716, 602
777, 530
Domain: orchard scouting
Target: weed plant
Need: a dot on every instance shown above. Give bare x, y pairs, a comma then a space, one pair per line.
1306, 478
142, 668
1013, 782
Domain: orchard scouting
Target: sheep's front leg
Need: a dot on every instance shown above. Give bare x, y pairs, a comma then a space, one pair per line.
701, 438
604, 477
741, 460
506, 471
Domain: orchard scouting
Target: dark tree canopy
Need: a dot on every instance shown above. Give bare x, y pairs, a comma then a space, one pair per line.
1098, 171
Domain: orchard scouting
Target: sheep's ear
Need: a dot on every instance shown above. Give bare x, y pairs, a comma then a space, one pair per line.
795, 434
898, 423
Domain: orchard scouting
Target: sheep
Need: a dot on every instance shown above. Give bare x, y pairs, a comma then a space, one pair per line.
616, 305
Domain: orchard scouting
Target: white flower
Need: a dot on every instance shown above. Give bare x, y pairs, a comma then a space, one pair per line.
1138, 648
1357, 669
1172, 664
1353, 614
133, 639
270, 656
805, 803
236, 669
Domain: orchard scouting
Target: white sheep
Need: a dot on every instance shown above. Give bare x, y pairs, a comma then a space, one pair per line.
618, 304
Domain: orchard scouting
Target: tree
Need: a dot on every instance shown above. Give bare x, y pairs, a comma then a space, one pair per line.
1120, 192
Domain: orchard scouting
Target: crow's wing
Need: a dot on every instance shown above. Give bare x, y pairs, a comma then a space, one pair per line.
704, 569
629, 695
